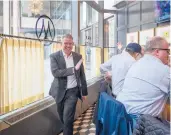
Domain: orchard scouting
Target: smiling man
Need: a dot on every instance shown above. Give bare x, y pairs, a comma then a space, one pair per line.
69, 82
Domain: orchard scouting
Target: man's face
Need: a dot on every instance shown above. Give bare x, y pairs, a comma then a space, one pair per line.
163, 55
67, 45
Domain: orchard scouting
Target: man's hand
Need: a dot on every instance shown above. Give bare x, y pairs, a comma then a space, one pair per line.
108, 76
119, 44
78, 64
84, 97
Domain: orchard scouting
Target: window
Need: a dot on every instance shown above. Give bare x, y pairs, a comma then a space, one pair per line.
95, 35
83, 15
89, 15
21, 55
94, 16
109, 32
82, 37
109, 37
1, 16
92, 60
89, 40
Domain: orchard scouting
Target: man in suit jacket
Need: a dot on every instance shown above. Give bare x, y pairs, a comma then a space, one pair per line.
69, 82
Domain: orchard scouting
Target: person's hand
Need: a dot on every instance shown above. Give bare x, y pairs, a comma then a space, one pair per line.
78, 64
84, 97
119, 44
108, 76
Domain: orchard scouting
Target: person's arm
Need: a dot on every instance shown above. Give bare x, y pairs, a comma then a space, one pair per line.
107, 66
56, 72
166, 81
120, 47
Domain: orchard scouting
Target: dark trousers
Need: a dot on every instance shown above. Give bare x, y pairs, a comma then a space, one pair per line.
66, 110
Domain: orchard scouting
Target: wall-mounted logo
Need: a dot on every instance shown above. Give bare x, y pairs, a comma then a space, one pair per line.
45, 29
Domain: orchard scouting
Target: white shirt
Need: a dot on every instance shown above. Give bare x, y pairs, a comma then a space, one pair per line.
118, 65
71, 80
146, 87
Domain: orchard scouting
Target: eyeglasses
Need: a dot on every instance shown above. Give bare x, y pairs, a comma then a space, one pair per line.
168, 50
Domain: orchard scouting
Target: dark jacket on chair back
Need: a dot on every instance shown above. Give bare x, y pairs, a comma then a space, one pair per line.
148, 125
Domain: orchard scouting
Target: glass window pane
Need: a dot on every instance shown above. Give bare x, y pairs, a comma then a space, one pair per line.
94, 16
82, 37
92, 62
1, 16
29, 55
83, 15
89, 15
109, 32
95, 35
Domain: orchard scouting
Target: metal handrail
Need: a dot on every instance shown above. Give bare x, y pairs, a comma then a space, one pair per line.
41, 40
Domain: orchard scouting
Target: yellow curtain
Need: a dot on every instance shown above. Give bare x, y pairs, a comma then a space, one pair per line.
106, 54
98, 61
21, 73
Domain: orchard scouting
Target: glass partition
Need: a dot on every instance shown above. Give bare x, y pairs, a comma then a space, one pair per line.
1, 16
109, 52
92, 59
58, 11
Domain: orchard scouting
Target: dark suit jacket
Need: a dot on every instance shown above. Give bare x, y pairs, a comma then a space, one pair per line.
60, 73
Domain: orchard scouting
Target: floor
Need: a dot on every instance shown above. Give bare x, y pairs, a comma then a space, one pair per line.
83, 125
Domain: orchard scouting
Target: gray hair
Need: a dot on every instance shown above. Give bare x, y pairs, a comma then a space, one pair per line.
154, 42
68, 36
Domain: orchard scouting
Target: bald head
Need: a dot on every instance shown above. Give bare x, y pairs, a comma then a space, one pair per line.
155, 42
158, 47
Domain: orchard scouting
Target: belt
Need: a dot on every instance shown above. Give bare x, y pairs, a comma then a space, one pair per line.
72, 88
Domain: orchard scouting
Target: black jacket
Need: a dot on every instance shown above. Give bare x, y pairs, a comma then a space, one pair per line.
148, 125
60, 73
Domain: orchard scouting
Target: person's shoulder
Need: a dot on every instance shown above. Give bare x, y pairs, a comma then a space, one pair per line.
77, 54
116, 57
55, 54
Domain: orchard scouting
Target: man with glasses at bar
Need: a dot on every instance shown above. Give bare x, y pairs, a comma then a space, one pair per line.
147, 83
69, 82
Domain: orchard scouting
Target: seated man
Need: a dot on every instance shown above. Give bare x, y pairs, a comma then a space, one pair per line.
117, 67
147, 83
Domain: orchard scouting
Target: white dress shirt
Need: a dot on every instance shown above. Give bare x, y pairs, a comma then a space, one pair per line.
118, 65
71, 80
146, 87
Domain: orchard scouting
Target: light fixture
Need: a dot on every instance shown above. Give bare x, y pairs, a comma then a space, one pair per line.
36, 6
